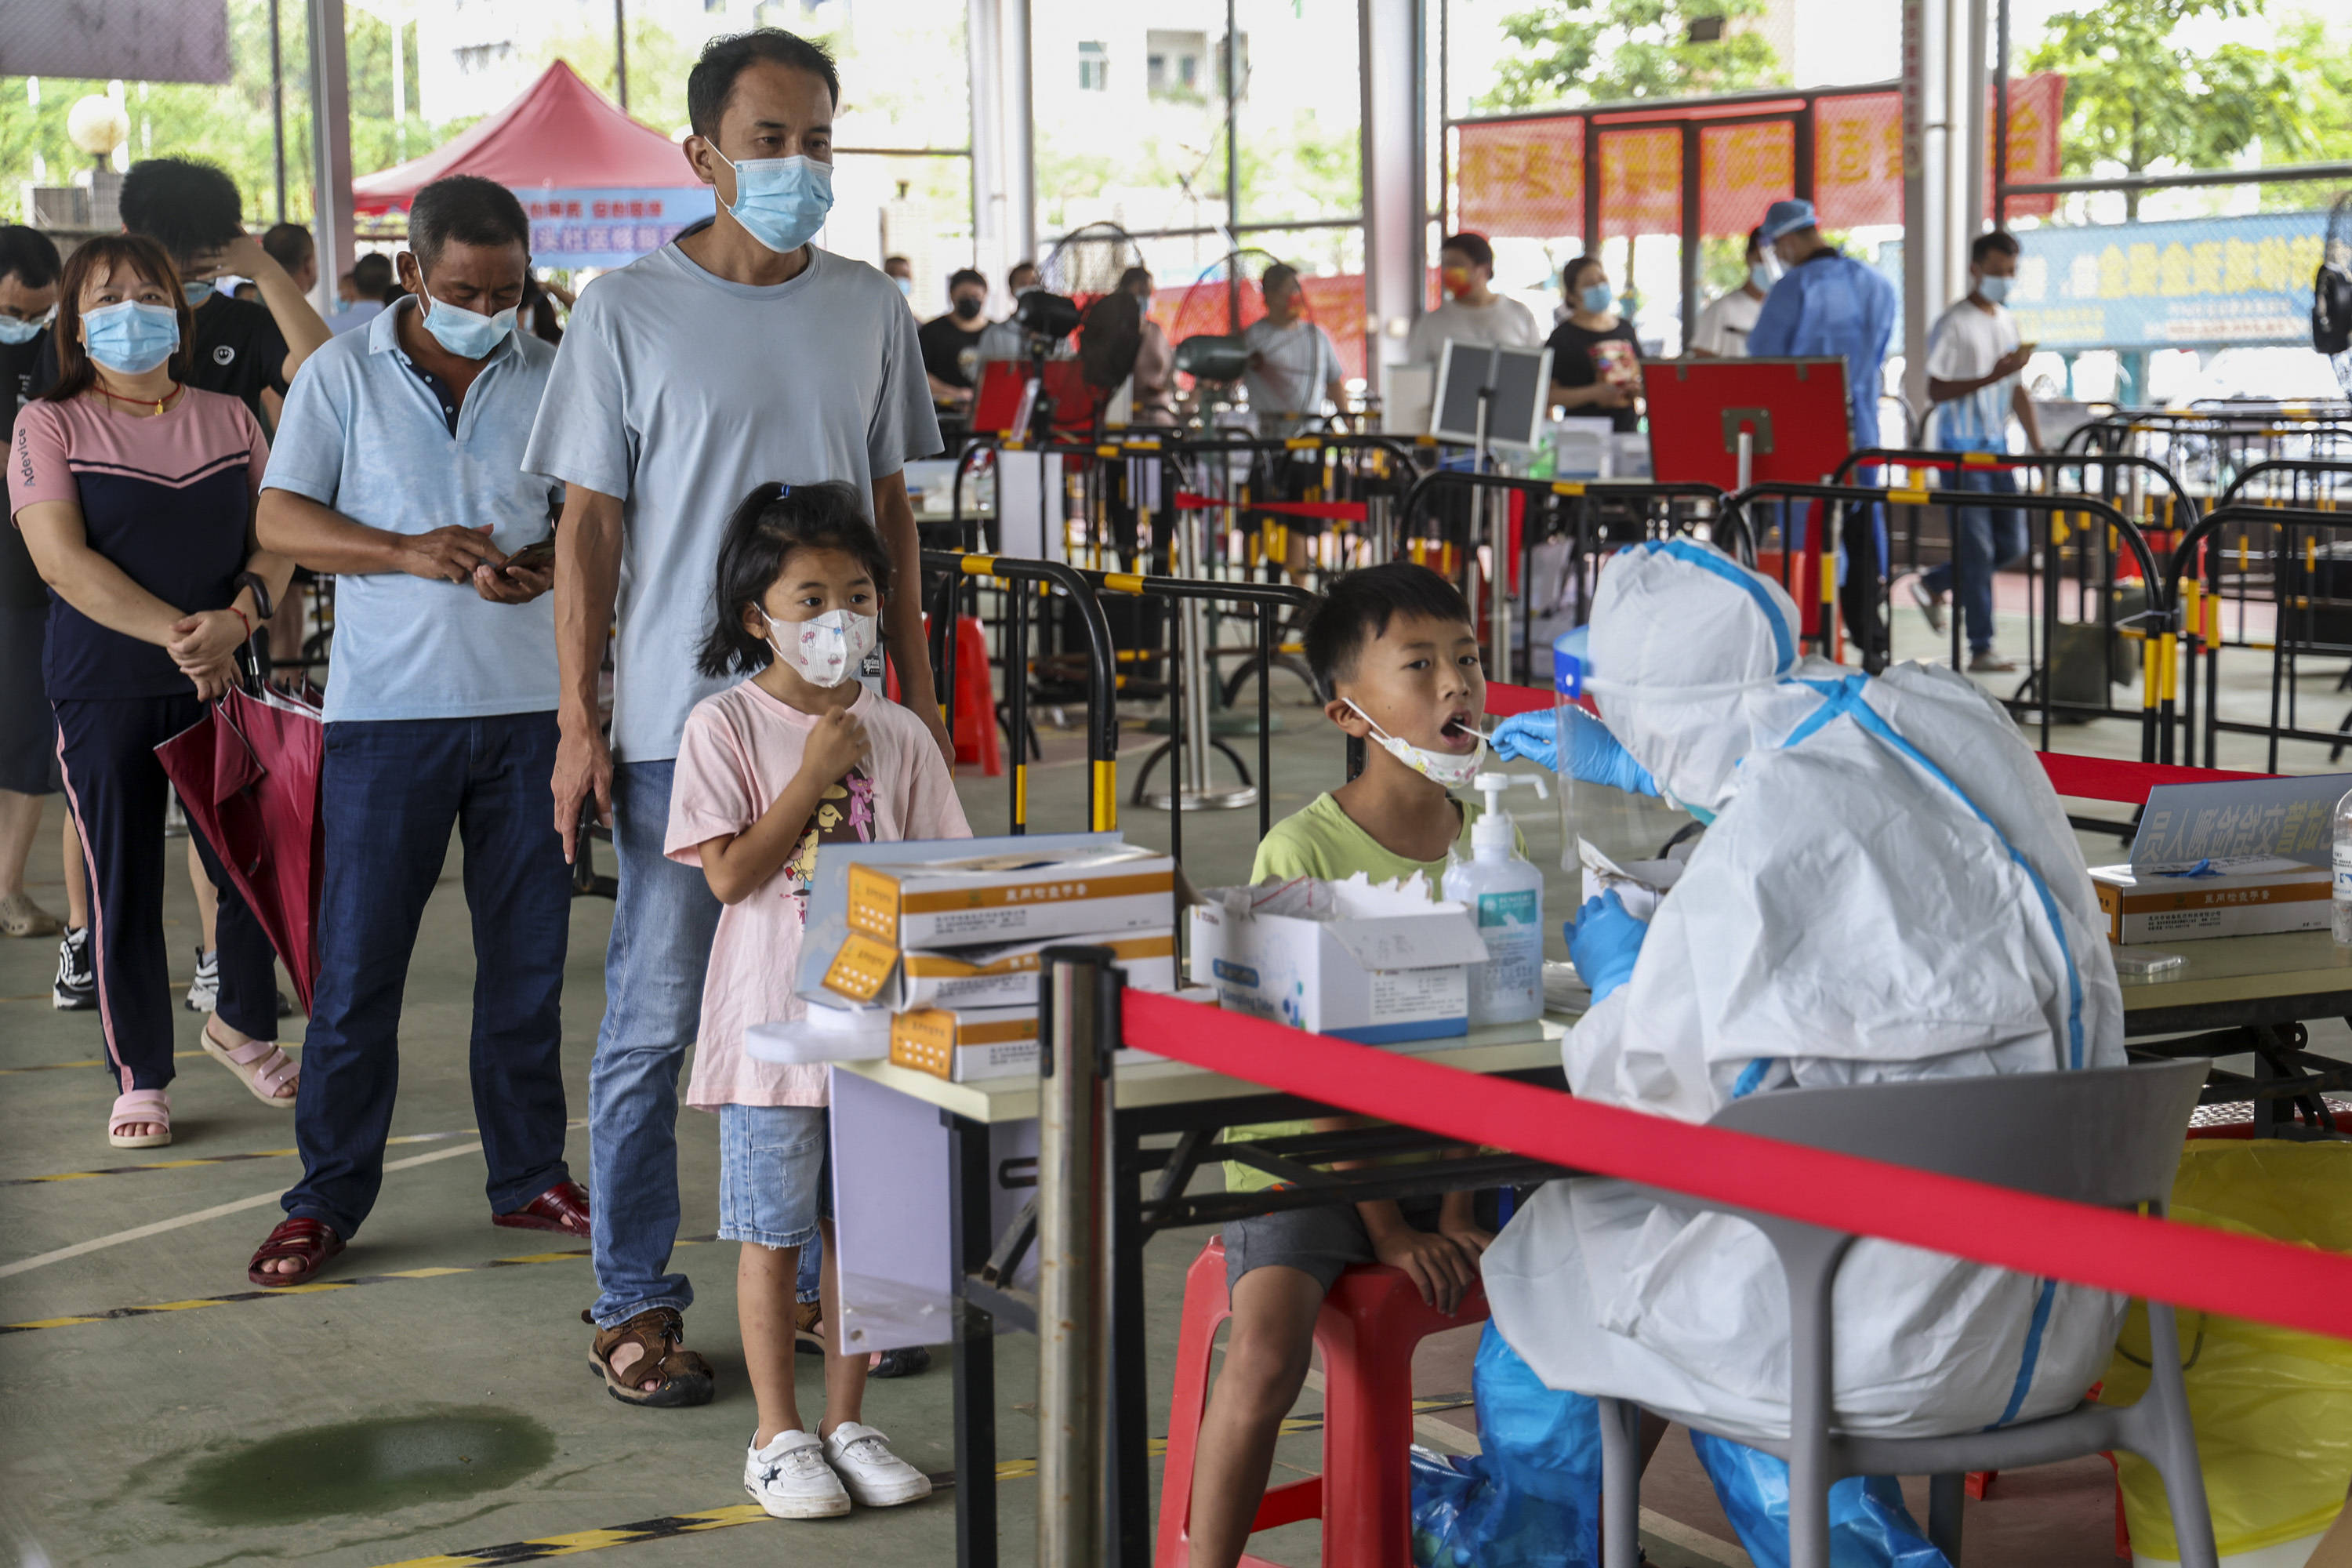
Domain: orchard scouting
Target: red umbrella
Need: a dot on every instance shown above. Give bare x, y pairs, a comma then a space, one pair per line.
248, 774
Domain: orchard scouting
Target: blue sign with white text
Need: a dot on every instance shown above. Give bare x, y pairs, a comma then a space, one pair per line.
2207, 282
603, 228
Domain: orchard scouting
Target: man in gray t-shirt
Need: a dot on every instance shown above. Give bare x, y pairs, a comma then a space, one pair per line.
1292, 365
738, 355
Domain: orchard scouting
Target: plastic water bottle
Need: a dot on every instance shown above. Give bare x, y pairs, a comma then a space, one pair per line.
2342, 913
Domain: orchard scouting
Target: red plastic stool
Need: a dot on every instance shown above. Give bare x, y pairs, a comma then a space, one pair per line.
1369, 1326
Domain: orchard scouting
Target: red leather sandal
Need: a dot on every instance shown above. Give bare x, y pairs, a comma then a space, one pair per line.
309, 1241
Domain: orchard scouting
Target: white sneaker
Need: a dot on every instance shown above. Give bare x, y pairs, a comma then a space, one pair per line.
874, 1476
791, 1480
204, 991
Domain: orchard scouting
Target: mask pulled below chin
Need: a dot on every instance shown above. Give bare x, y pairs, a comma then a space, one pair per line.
1443, 768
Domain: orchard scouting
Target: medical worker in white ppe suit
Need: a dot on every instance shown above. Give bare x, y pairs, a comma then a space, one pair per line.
1889, 889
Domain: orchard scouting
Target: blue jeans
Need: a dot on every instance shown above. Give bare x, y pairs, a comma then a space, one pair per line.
390, 793
662, 920
1985, 540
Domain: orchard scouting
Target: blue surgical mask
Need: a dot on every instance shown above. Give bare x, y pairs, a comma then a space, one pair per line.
468, 334
15, 332
132, 337
1993, 290
781, 202
1596, 298
906, 286
197, 292
1759, 275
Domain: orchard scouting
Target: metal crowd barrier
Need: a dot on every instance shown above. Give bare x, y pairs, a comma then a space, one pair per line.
2093, 589
1025, 580
1657, 510
1189, 683
2313, 615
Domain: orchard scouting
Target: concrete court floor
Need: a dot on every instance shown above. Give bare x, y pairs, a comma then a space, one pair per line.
435, 1404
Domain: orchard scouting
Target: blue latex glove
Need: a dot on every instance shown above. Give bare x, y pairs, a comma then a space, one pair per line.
1604, 939
1594, 755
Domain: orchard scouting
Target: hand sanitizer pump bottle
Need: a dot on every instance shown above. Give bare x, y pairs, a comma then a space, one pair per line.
1505, 892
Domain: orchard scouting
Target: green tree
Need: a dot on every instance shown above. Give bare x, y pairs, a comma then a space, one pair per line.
229, 124
2135, 95
1603, 51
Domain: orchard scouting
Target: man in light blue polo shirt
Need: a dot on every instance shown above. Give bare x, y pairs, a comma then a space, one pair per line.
398, 468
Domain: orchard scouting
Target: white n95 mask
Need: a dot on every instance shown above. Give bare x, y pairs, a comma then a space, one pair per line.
1439, 767
827, 651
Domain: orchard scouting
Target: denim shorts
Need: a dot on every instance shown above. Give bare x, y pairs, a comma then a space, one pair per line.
775, 1174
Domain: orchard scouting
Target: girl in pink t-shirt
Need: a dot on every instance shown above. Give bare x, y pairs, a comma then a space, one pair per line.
798, 755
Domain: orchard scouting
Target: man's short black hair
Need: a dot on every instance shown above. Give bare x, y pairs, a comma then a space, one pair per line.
288, 244
1993, 240
1473, 245
1016, 270
1358, 605
711, 82
372, 278
1133, 275
468, 209
760, 535
964, 275
28, 255
185, 206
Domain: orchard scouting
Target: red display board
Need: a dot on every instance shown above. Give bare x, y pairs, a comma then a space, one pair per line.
1794, 412
1002, 400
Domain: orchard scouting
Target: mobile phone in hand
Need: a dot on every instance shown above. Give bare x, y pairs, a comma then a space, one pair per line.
536, 557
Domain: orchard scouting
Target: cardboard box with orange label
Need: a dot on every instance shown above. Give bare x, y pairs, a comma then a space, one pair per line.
966, 1045
1020, 896
2240, 856
1002, 976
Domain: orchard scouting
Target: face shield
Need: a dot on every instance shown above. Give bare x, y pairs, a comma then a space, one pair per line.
1684, 641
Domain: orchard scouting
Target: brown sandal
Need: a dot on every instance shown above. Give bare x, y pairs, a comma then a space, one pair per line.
300, 1237
684, 1375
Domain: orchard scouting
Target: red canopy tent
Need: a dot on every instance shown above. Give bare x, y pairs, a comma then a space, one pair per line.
601, 188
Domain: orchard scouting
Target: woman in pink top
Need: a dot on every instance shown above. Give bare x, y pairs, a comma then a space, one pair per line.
135, 494
798, 755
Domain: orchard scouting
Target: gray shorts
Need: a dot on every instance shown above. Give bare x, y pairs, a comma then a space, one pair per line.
1321, 1241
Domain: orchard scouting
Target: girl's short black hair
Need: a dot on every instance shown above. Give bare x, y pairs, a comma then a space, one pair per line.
1358, 605
763, 531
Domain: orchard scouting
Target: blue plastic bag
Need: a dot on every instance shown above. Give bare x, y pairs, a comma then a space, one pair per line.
1869, 1526
1531, 1498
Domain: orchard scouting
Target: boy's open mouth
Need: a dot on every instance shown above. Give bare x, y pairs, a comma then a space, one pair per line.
1459, 734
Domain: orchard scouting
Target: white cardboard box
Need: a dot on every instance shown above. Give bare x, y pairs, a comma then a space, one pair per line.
1373, 964
2264, 897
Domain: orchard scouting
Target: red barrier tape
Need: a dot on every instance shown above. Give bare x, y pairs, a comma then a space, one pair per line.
2212, 1270
2086, 778
1329, 511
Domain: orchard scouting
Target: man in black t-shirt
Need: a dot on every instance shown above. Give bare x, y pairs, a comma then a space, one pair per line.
952, 342
246, 350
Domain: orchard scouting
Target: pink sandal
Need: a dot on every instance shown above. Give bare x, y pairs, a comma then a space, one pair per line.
260, 1065
141, 1107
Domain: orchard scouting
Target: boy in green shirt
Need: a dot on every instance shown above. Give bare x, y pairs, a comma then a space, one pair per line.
1395, 647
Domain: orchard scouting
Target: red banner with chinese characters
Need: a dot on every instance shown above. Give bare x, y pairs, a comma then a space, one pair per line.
1520, 178
1525, 178
1743, 169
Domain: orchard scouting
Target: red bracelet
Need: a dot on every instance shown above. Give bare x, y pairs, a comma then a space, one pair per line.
241, 616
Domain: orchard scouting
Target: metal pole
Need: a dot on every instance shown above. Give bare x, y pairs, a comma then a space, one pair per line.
331, 148
2001, 115
1078, 1029
277, 106
621, 53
